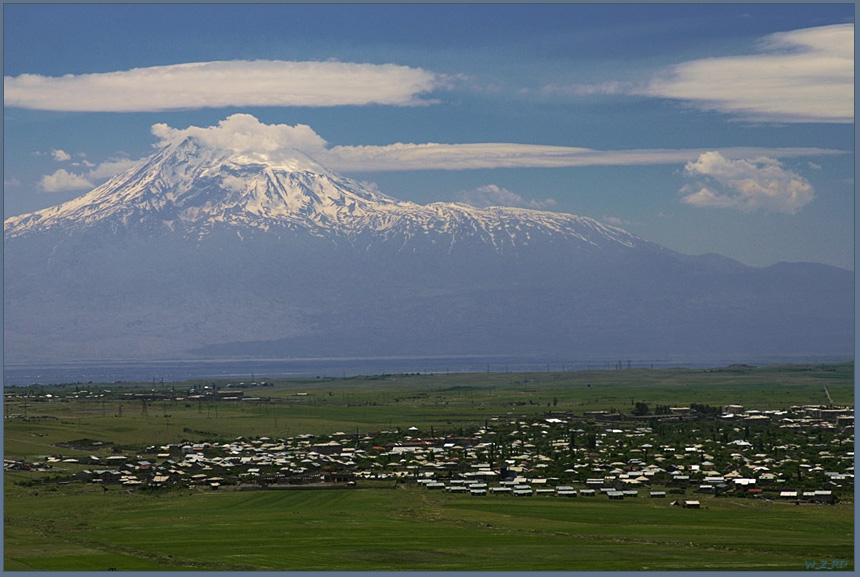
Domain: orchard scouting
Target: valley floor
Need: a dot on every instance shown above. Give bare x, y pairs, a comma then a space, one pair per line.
411, 528
180, 477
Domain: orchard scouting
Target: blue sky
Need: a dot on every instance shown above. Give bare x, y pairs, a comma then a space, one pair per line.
705, 128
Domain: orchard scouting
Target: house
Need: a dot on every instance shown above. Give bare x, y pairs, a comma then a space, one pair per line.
86, 476
824, 497
330, 448
680, 480
744, 482
229, 395
522, 491
691, 505
819, 497
751, 419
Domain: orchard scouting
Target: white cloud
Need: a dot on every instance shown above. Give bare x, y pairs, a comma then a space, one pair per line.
241, 133
746, 184
800, 76
494, 195
436, 156
601, 89
224, 83
110, 168
63, 180
431, 156
244, 133
61, 155
615, 221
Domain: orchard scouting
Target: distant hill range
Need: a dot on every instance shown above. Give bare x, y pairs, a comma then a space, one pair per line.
202, 252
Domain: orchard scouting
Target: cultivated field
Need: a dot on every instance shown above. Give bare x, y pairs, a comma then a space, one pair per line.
411, 528
54, 522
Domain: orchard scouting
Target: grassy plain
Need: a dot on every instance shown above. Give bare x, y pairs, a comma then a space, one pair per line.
411, 528
77, 526
445, 402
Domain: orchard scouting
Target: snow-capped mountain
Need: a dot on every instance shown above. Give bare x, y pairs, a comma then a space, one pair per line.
192, 189
203, 251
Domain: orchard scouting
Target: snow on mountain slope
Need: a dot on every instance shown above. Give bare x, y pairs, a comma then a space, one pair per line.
204, 251
192, 189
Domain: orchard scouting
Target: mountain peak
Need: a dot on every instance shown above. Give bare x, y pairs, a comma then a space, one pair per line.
194, 150
196, 184
240, 244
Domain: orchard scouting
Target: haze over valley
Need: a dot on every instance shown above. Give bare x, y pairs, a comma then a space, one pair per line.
575, 183
207, 251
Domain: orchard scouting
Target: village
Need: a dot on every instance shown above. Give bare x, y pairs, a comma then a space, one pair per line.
802, 455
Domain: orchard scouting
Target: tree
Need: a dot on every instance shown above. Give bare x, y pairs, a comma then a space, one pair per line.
640, 409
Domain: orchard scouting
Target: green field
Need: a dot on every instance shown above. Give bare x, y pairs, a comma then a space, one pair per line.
383, 526
412, 528
445, 402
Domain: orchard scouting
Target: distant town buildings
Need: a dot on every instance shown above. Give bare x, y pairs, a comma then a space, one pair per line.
596, 454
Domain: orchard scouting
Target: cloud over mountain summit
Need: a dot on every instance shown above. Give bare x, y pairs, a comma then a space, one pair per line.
740, 177
244, 133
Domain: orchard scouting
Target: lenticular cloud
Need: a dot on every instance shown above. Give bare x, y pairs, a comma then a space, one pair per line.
223, 83
800, 76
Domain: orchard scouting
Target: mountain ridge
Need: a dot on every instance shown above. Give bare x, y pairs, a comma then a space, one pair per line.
187, 186
198, 251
